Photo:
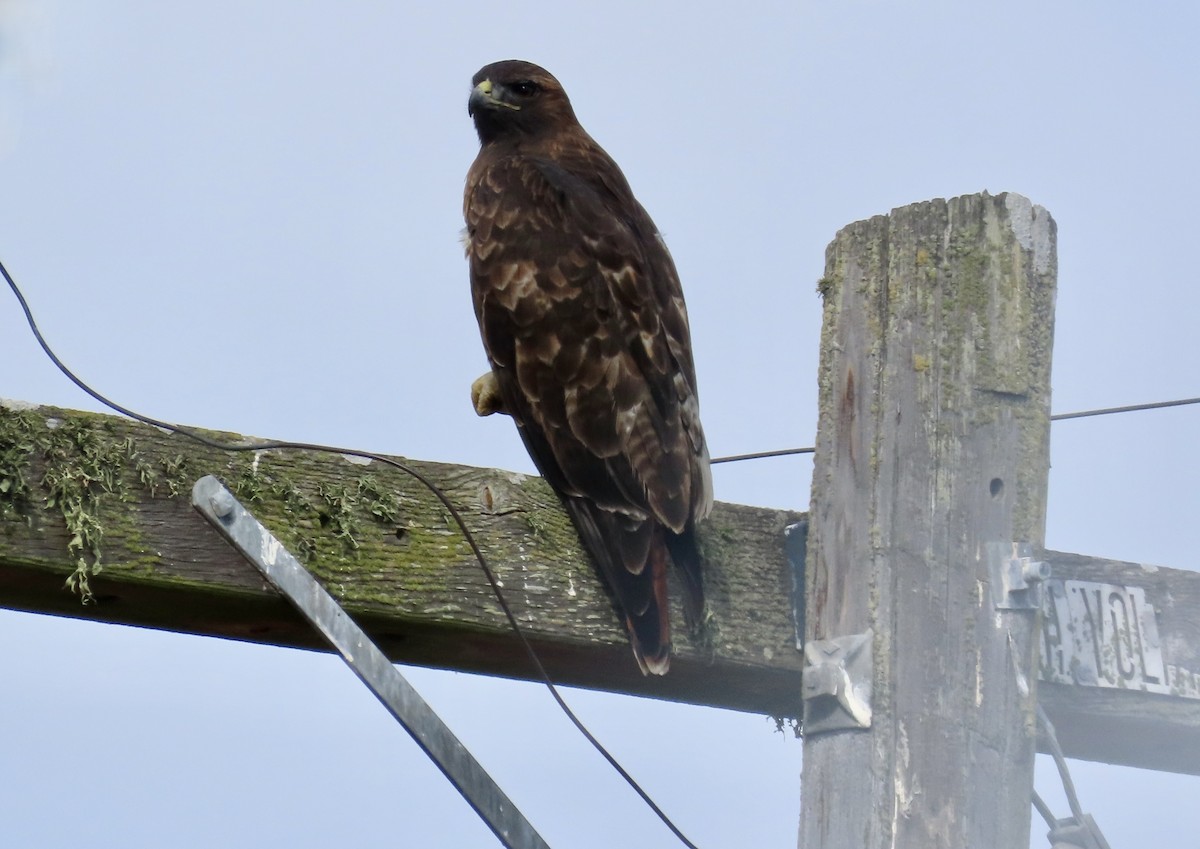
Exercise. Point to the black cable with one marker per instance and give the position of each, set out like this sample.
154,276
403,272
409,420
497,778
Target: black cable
761,455
1058,417
1132,408
354,452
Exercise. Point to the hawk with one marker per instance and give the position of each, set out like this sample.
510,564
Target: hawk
583,321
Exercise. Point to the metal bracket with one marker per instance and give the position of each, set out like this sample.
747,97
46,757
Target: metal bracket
795,545
254,542
1072,833
1016,577
837,683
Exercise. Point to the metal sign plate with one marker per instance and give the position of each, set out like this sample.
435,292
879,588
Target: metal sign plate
1106,635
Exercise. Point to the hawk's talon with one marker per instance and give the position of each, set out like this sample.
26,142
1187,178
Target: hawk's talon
485,395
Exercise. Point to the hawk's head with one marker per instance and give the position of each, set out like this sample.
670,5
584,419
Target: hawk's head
513,99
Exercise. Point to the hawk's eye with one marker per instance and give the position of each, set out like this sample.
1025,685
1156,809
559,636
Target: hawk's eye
524,88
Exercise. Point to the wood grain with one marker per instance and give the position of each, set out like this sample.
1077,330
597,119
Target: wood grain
932,444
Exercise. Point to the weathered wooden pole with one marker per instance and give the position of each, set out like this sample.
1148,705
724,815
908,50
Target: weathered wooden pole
932,457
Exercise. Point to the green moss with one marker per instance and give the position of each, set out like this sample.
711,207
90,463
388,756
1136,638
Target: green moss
176,474
337,514
80,468
18,440
383,505
246,484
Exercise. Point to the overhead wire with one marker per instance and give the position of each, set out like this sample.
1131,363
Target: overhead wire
1131,408
1057,417
761,455
489,574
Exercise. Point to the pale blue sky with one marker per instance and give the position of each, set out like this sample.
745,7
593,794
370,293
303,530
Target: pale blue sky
245,215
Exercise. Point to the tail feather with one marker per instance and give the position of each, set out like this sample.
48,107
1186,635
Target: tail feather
632,557
685,554
650,631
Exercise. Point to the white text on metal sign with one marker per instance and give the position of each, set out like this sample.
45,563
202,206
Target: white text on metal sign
1106,635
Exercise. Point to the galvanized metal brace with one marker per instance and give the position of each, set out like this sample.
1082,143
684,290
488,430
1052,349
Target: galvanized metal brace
836,683
795,541
1072,833
1016,577
293,581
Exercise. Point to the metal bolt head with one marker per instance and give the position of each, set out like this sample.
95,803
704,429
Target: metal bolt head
1035,570
222,503
823,679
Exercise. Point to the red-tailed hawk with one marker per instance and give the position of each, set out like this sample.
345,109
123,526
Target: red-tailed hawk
583,320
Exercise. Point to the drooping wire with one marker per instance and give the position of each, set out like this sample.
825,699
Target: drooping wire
267,445
1057,417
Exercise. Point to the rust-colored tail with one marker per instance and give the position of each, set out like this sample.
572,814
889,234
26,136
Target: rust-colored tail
632,558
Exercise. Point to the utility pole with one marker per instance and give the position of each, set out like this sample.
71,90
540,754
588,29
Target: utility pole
931,465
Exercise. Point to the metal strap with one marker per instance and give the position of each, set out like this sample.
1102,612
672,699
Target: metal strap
293,581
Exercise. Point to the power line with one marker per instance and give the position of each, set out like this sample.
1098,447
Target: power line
761,455
1132,408
1057,417
433,488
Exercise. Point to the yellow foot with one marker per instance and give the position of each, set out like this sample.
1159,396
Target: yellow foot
485,395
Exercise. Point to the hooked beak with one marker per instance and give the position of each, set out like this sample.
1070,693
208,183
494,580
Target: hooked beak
488,96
